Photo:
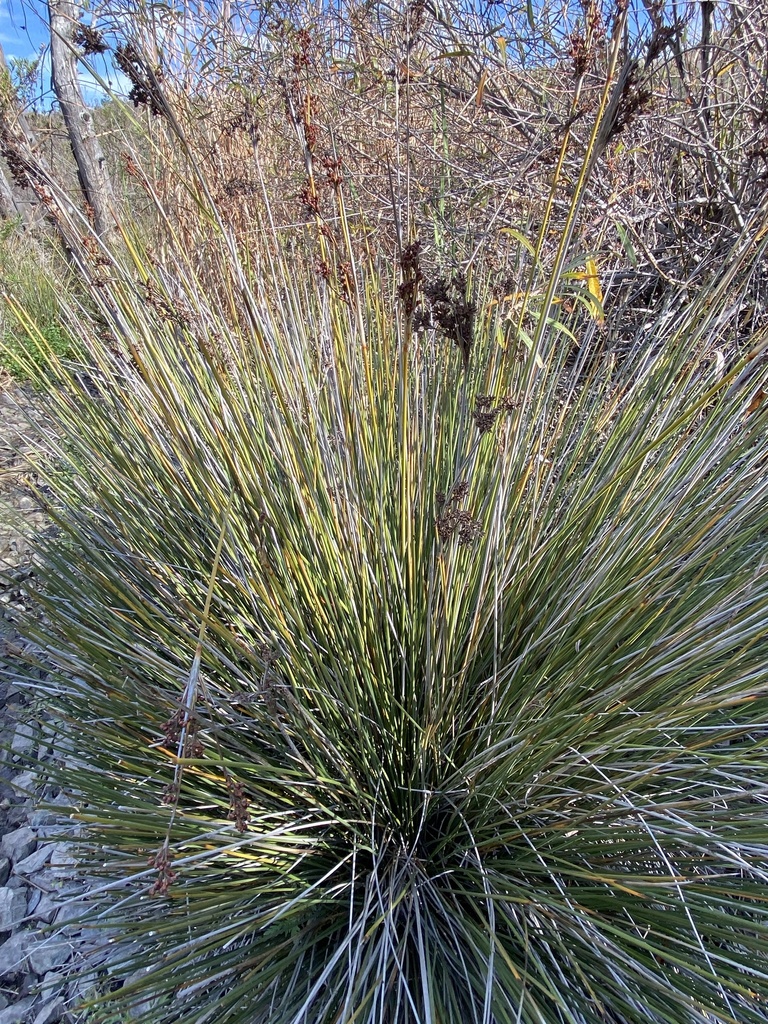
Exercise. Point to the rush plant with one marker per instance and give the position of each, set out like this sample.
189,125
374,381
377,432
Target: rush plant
415,661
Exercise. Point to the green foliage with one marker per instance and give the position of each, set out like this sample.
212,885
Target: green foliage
405,692
31,275
25,73
18,349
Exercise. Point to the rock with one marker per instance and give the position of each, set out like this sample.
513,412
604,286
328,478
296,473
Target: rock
34,862
33,898
51,983
115,955
52,990
46,880
19,1012
46,833
68,912
82,987
25,783
63,860
23,740
46,908
13,955
29,985
16,816
50,1013
5,870
140,1006
62,800
13,907
52,952
18,844
15,689
38,818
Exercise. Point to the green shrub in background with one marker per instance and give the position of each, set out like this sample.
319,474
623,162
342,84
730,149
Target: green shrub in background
414,658
16,349
32,273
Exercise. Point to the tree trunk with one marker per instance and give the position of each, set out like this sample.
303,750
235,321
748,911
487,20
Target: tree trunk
78,119
8,207
707,11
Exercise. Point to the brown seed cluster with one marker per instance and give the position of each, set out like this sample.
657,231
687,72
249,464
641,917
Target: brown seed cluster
170,794
333,170
486,413
584,43
180,723
19,164
452,312
238,805
89,39
636,96
166,876
451,519
145,80
309,198
410,266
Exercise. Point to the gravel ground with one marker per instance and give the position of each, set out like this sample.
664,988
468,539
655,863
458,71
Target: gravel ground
39,971
20,517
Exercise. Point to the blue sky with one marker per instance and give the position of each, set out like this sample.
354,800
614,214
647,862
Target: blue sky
21,30
24,34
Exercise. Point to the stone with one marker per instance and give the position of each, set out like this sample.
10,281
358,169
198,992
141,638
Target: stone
115,955
34,862
33,898
46,880
18,844
63,801
51,984
46,833
19,1012
63,860
13,955
38,818
25,783
68,912
23,740
45,910
17,816
82,987
5,870
140,1007
13,908
15,689
50,1013
29,985
68,890
52,952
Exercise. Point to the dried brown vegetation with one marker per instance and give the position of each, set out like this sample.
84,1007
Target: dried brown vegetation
468,133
